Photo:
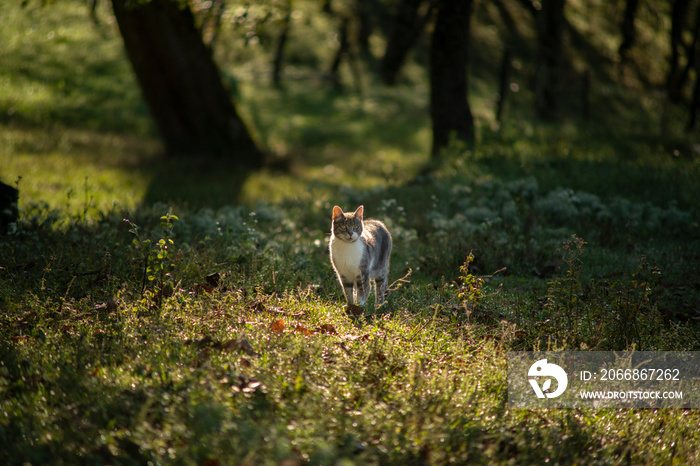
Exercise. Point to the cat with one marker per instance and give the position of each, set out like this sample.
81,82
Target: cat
360,255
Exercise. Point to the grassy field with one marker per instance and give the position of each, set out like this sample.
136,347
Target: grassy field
218,335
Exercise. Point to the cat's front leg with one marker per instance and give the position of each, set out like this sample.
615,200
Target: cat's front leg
362,290
348,290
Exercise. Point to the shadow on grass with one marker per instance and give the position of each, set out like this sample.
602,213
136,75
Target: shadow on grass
193,183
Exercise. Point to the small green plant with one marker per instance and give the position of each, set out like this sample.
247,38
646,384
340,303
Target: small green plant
470,292
156,256
565,301
567,290
636,320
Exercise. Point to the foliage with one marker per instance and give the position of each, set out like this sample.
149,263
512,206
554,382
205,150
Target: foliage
471,286
156,257
608,315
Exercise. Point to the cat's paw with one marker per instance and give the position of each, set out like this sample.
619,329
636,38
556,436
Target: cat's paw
354,310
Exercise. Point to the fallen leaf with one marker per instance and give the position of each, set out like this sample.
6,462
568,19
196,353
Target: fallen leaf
303,330
277,326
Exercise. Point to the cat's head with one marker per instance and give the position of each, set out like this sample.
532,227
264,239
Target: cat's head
347,227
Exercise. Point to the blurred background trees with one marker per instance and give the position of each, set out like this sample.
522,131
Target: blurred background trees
555,56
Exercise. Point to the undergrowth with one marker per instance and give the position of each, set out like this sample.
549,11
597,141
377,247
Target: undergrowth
221,336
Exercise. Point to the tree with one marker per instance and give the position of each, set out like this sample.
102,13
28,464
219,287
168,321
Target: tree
407,26
449,57
181,83
281,42
365,11
679,12
678,76
629,33
549,22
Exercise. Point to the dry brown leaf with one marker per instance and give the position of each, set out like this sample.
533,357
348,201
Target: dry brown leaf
303,330
277,326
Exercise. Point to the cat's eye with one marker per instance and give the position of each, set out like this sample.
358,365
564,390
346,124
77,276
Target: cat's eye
356,228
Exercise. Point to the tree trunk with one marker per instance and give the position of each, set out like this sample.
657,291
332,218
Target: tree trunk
693,62
503,86
550,33
181,84
449,57
343,47
694,105
679,13
364,13
629,33
691,52
407,27
281,42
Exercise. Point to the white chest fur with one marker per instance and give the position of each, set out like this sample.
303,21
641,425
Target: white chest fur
346,257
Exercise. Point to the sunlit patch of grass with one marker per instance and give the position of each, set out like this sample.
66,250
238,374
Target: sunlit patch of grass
80,171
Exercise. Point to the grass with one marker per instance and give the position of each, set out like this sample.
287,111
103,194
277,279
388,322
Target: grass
238,351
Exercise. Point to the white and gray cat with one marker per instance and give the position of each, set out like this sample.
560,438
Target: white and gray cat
360,252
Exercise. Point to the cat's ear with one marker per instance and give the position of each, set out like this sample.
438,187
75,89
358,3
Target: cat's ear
359,211
337,212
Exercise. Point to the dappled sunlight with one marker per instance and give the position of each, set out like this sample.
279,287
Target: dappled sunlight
58,69
81,172
316,126
159,309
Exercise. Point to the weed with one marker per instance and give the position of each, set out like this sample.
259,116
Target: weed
618,315
565,293
157,257
470,291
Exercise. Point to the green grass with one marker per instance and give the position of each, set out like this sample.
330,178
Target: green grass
266,367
